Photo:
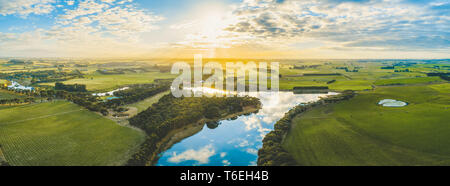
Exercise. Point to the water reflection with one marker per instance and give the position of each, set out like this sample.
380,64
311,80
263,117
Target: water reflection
200,156
235,142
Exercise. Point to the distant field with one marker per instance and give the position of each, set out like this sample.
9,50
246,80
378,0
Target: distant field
146,103
408,81
62,133
360,132
368,74
100,82
339,85
289,84
443,88
351,85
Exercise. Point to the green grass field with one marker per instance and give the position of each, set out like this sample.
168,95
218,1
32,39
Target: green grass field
146,103
369,74
100,82
360,132
351,85
62,133
408,81
341,83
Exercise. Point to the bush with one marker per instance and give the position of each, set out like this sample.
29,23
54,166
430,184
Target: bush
212,112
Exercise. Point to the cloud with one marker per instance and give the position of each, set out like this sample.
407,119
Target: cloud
30,42
326,29
201,156
223,154
106,19
346,23
186,25
252,151
405,44
244,143
25,7
226,163
90,28
70,3
253,123
253,28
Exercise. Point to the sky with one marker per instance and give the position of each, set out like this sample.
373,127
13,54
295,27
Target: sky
271,29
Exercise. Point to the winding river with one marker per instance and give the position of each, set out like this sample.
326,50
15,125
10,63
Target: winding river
234,142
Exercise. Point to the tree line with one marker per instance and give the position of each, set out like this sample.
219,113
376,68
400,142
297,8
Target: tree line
43,76
272,153
442,75
83,99
70,88
171,113
78,94
17,101
137,93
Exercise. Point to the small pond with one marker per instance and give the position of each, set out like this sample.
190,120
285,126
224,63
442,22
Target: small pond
392,103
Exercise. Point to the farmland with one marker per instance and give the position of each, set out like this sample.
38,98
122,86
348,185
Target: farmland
354,75
101,82
42,129
62,133
338,75
360,132
408,81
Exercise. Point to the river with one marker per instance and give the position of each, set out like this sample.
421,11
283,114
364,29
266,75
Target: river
234,142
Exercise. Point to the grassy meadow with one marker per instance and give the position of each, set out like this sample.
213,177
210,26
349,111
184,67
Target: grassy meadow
361,132
146,103
409,81
62,133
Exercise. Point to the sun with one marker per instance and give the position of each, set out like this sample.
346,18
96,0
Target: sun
212,18
212,24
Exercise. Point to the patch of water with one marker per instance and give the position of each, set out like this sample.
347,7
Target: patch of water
392,103
110,93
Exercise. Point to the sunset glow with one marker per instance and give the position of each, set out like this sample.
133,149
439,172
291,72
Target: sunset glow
224,29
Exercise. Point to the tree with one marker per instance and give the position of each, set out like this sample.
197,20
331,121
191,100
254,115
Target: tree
212,112
212,125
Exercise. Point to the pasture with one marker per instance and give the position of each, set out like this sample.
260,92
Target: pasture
360,132
64,134
408,81
356,75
